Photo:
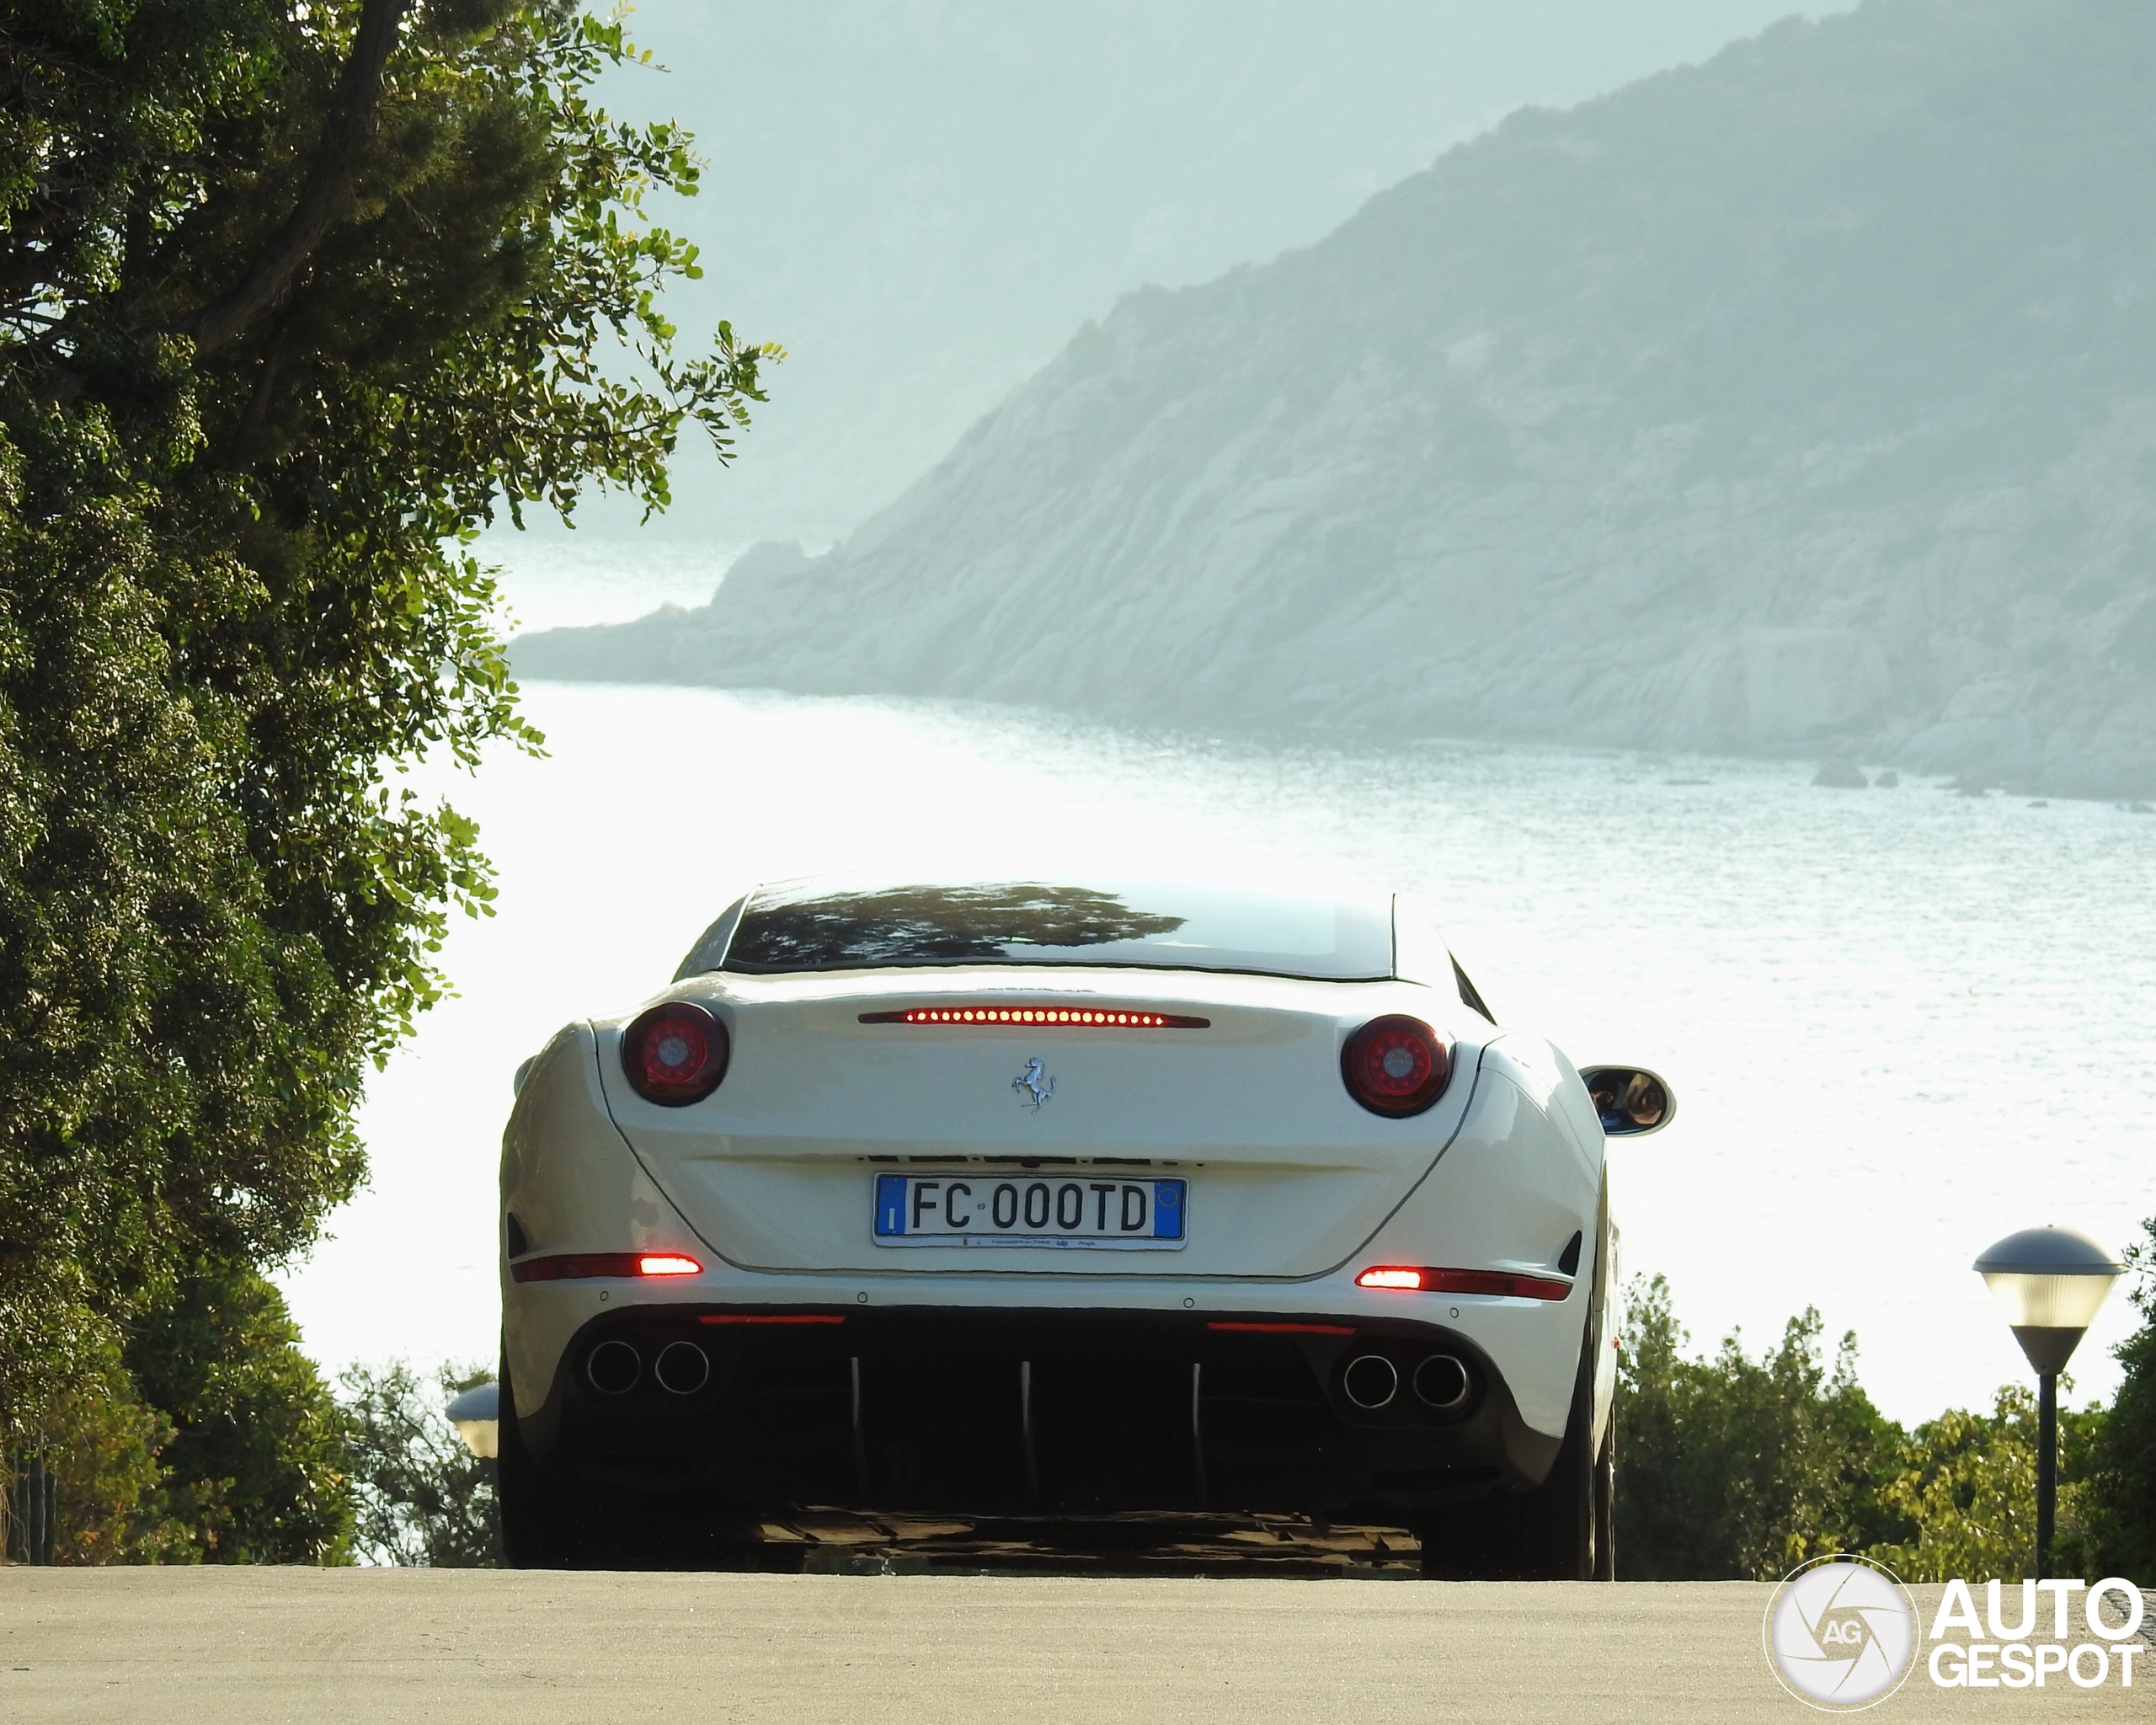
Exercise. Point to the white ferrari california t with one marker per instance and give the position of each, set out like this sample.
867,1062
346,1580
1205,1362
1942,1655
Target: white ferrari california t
1064,1200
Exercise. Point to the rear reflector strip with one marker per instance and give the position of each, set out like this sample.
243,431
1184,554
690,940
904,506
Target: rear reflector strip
1422,1279
1243,1329
582,1266
1080,1017
771,1317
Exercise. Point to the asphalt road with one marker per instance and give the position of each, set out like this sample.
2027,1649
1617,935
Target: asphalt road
224,1647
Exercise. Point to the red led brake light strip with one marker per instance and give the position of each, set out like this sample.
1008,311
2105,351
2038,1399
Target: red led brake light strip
1077,1017
583,1266
1421,1279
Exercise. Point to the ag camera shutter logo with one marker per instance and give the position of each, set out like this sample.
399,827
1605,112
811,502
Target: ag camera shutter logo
1841,1633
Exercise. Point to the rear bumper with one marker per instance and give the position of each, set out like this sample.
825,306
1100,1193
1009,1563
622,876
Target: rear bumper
1013,1410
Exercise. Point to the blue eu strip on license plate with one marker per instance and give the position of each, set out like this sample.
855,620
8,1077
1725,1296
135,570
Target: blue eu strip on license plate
962,1208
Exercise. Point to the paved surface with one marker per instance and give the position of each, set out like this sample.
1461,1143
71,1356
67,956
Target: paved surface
231,1645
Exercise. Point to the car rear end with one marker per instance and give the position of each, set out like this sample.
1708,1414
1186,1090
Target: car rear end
1047,1240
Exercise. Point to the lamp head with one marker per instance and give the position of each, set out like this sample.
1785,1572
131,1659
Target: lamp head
2050,1283
476,1416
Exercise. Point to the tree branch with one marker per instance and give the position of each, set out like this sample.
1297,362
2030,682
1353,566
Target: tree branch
328,190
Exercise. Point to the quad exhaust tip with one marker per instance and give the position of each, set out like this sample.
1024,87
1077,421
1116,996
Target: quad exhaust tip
1370,1381
613,1368
1441,1381
682,1368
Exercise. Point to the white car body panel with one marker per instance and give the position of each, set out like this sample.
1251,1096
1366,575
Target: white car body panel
1295,1189
1288,1174
577,1184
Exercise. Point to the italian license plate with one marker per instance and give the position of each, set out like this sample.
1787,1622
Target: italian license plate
1078,1212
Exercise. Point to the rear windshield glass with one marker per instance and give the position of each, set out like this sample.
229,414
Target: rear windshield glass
816,925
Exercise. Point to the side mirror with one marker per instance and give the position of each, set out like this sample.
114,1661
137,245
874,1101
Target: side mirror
1631,1100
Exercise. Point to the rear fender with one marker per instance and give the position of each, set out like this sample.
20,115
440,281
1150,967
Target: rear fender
1520,1179
569,1179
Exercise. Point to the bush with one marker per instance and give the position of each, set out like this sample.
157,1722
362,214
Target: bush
256,1466
2116,1493
1736,1467
99,1445
424,1497
1731,1467
1967,1486
201,1434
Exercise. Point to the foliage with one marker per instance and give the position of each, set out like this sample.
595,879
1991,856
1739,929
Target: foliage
1737,1467
1966,1483
257,1468
2115,1497
1730,1467
100,1444
292,298
425,1499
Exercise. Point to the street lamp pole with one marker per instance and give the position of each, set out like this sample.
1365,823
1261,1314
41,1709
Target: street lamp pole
2050,1282
2047,1468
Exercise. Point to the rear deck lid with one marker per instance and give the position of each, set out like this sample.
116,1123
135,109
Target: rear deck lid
992,1075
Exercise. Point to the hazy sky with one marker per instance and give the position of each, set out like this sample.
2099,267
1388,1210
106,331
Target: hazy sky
923,199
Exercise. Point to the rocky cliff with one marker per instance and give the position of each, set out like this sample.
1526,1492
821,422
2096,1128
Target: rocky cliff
1802,401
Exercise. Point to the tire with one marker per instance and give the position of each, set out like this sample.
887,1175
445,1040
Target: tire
1605,1505
1550,1533
531,1520
1552,1528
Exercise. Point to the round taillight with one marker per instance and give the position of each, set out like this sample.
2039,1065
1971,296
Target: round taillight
675,1054
1395,1066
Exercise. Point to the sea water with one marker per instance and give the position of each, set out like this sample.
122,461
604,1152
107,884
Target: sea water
1900,1022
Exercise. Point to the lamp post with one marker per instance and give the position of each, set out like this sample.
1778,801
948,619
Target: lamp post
2049,1282
476,1416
